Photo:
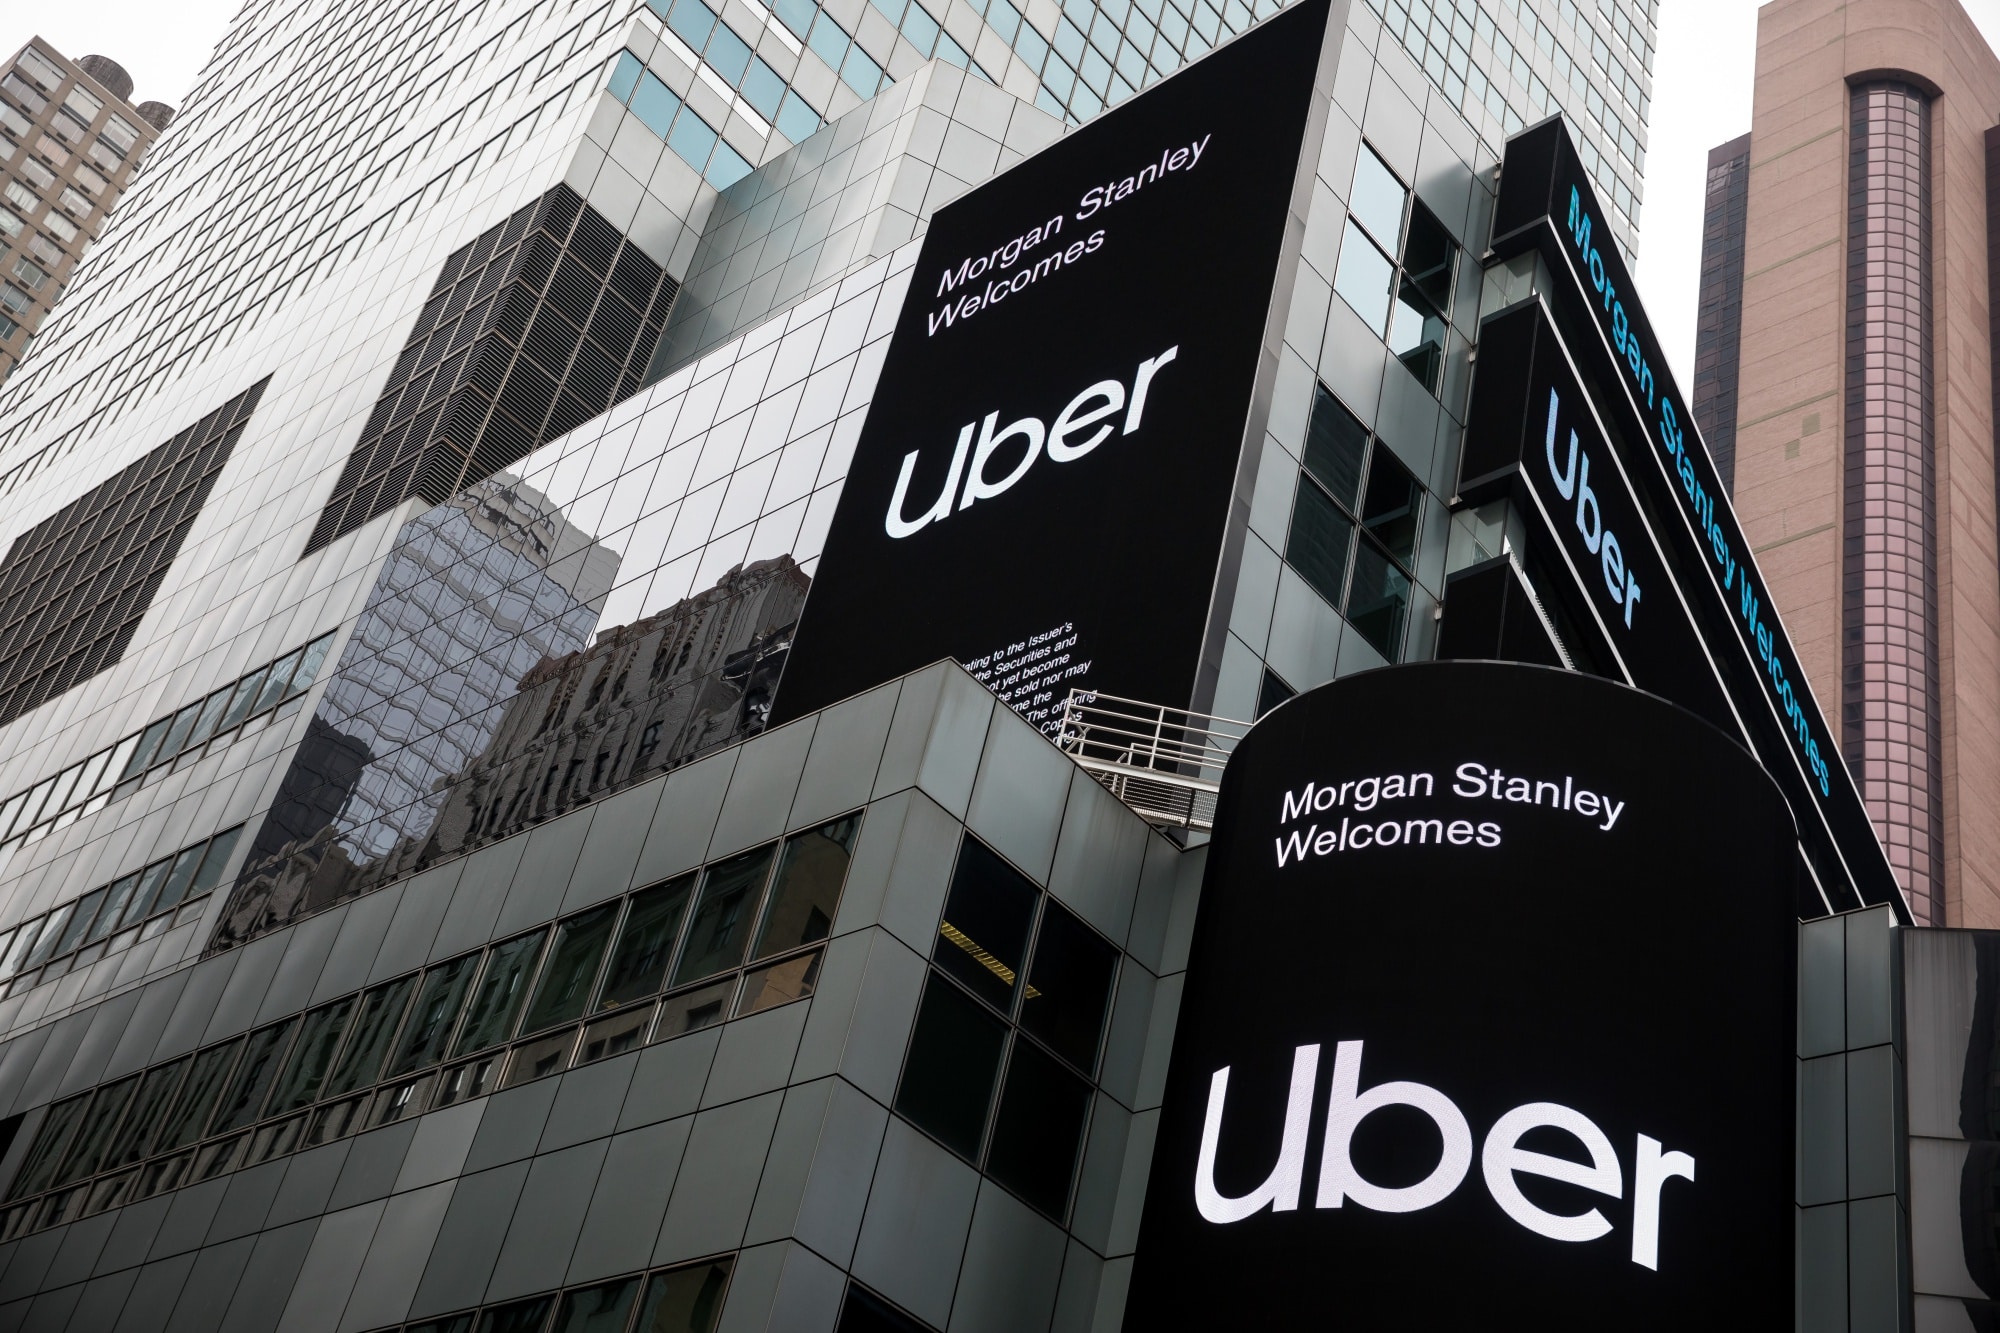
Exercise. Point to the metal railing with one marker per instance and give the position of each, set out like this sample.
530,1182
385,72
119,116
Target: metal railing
1164,763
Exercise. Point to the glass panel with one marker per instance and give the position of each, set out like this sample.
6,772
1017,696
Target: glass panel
93,769
720,928
692,21
309,665
150,880
213,860
20,945
655,104
156,1093
401,1101
1336,447
178,879
274,1140
374,1028
45,947
1429,257
1416,336
806,891
121,758
728,54
1363,278
262,1059
149,747
474,1078
118,898
274,684
79,921
541,1057
949,1072
686,1300
211,713
166,1174
37,796
10,811
692,1010
984,934
1380,602
563,992
320,1037
615,1035
1038,1129
1390,510
51,1144
520,1317
645,942
1318,542
1377,199
1069,986
429,1029
458,1323
780,983
245,694
336,1121
625,75
498,999
204,1084
597,1309
216,1158
177,731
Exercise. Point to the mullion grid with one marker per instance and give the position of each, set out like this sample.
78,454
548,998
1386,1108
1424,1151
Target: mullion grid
213,1152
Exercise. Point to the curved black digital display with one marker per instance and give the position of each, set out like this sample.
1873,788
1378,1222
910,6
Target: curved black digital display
1488,1020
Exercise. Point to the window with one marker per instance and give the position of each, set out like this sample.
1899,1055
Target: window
74,204
40,67
18,88
37,175
1351,482
61,226
10,223
727,55
517,1010
1396,267
1004,1049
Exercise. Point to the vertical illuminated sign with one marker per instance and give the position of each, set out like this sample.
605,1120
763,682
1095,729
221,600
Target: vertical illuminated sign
1043,483
1488,1021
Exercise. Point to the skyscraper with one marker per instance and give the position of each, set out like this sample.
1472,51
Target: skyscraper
1862,413
70,140
412,519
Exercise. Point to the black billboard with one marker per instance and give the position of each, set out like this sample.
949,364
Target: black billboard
1488,1021
1546,203
1043,482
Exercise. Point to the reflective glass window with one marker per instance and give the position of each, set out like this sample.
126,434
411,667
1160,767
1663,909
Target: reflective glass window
1379,604
685,1300
1377,199
117,898
241,698
263,1056
45,947
502,983
987,914
439,1000
1336,447
311,1056
274,684
150,881
563,991
1364,277
1069,986
645,943
93,1135
720,928
782,982
806,890
178,729
1319,539
1390,510
150,741
655,104
179,878
597,1309
310,662
728,54
214,858
1038,1129
79,922
949,1071
520,1317
692,1010
1430,257
625,77
210,715
198,1095
133,1139
368,1043
51,1145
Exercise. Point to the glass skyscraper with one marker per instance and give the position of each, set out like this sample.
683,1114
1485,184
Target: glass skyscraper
407,918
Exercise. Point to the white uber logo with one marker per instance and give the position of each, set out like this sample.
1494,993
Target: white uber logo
1502,1160
1078,428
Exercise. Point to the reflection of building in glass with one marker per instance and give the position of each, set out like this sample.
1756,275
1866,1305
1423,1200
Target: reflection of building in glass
475,592
644,697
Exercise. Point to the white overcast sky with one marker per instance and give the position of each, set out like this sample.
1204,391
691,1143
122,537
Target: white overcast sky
1701,97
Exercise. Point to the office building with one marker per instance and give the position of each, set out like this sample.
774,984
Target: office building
70,141
423,905
1859,410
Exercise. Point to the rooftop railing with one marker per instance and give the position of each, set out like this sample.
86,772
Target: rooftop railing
1164,763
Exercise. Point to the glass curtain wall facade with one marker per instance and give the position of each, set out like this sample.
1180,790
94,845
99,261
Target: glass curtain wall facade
416,924
1890,696
1719,319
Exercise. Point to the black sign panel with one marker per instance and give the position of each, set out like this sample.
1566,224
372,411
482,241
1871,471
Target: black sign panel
1546,202
1042,485
1488,1021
